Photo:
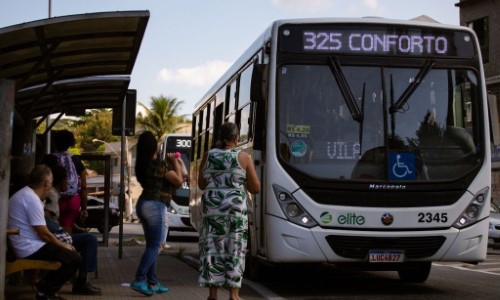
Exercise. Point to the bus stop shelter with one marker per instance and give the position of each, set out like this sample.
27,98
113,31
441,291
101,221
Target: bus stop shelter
59,66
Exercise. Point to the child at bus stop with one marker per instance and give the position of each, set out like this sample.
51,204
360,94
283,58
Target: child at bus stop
164,246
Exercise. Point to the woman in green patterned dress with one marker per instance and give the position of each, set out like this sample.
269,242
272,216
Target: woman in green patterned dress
225,175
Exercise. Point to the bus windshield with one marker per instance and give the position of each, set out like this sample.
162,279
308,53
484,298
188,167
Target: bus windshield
378,123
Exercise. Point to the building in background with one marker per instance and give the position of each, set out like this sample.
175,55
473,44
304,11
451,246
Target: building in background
114,150
483,16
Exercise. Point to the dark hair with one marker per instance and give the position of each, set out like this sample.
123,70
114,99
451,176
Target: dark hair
63,139
59,174
227,133
38,175
146,148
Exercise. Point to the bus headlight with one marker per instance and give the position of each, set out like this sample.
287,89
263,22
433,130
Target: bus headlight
292,209
472,211
172,210
471,214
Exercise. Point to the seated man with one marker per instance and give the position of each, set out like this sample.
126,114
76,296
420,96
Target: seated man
35,241
84,242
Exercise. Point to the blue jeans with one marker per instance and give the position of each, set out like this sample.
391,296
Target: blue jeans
86,244
152,216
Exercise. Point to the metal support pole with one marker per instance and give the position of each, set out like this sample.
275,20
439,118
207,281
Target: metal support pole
6,127
122,181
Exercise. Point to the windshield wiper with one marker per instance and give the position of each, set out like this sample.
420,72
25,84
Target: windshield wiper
356,113
361,123
412,87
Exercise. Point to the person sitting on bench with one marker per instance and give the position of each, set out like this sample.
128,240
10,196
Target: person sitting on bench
35,241
85,243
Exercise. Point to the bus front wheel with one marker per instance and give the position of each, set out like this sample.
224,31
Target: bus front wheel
416,273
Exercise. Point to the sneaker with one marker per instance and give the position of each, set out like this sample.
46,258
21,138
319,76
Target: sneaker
158,289
141,287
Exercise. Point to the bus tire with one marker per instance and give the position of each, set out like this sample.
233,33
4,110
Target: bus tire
416,273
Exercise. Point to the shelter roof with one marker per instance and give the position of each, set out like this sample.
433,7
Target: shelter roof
73,96
44,56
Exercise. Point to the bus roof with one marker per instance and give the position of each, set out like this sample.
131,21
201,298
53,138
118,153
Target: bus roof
257,44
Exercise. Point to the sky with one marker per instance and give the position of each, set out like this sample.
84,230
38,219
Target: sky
189,44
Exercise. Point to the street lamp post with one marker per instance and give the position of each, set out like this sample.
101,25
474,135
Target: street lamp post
105,143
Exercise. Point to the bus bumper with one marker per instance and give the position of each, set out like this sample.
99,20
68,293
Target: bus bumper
178,217
287,242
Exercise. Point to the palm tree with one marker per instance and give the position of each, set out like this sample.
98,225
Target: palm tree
162,117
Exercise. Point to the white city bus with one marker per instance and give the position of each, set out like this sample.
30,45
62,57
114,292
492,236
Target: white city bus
178,209
371,140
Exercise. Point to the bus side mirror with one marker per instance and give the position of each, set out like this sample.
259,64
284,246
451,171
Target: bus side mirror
258,90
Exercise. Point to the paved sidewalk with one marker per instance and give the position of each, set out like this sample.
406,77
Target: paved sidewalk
115,274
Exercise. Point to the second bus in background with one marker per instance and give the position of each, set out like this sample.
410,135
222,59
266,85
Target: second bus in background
178,209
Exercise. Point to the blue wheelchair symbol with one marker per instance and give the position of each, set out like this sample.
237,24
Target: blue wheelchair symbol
402,166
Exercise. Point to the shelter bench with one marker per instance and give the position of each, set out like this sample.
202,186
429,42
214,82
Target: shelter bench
21,264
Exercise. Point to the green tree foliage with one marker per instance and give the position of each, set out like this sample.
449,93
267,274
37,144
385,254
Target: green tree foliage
68,124
162,118
96,124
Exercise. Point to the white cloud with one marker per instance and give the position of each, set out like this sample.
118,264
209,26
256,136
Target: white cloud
307,6
373,5
202,75
369,7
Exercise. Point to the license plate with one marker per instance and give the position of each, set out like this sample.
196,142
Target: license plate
386,256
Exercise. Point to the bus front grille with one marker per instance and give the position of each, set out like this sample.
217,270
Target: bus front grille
358,247
383,199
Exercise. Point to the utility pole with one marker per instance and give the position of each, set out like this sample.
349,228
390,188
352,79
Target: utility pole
47,121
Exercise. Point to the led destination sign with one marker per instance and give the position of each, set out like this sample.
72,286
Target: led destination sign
178,142
372,42
376,40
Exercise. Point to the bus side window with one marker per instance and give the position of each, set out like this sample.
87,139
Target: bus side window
245,123
194,134
199,147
